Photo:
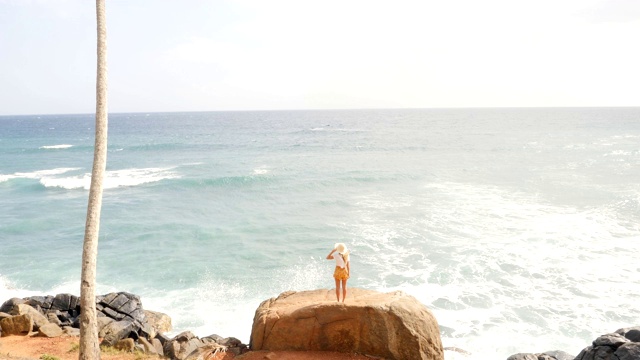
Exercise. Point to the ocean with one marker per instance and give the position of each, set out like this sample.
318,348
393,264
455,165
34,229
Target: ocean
519,228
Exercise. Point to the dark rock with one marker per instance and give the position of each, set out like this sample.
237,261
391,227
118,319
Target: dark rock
36,302
113,314
523,356
116,331
596,353
613,340
162,338
230,342
213,338
182,345
108,298
183,336
118,301
63,302
623,331
628,351
9,304
633,335
559,355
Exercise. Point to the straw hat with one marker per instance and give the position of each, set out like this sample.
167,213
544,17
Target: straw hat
341,248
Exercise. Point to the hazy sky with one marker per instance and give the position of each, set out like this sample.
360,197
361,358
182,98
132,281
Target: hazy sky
188,55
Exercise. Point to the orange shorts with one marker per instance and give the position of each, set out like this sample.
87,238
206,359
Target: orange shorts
340,273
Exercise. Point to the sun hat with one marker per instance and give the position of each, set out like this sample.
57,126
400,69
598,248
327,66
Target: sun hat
341,248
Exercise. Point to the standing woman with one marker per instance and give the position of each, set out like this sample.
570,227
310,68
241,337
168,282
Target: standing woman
341,273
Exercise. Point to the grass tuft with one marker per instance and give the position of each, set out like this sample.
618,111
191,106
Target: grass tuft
49,357
74,347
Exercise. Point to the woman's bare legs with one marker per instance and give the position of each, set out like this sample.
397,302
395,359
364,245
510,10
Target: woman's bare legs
337,290
344,289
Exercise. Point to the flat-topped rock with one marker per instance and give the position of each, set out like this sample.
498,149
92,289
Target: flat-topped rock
389,325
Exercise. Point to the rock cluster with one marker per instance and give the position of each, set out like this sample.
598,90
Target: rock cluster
122,323
623,344
391,326
547,355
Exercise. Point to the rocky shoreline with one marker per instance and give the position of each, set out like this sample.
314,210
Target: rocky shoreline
622,344
125,325
122,323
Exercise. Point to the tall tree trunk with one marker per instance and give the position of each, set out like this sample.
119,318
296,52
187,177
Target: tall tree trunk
89,344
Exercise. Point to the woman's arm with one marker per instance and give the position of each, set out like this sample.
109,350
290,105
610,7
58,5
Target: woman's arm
330,256
349,268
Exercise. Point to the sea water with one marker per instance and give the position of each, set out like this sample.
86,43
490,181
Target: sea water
518,228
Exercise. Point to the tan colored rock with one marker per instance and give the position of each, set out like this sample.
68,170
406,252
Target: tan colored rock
50,330
16,325
392,325
24,309
160,322
158,345
148,347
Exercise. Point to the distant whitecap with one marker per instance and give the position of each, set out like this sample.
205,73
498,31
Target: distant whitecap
49,147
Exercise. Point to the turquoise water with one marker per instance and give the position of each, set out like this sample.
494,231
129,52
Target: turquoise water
518,228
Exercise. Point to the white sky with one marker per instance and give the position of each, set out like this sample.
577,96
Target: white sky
190,55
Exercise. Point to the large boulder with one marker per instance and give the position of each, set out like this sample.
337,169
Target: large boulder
9,304
182,345
39,320
623,344
50,330
159,322
16,325
389,325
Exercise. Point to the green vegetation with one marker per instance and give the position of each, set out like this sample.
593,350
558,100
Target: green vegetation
74,347
49,357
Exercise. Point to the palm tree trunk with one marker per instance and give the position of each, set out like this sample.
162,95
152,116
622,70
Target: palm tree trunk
89,344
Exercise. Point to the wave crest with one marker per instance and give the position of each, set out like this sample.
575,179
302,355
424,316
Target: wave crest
112,179
49,147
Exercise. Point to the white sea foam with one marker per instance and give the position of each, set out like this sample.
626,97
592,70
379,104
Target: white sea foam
8,290
113,179
36,174
212,307
63,146
545,270
260,171
618,153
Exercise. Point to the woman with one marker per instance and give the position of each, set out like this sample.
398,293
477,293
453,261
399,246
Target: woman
341,273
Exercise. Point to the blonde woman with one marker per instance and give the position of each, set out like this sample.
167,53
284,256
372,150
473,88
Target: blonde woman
341,255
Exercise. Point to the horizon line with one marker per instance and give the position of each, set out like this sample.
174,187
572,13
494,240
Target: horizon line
330,109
